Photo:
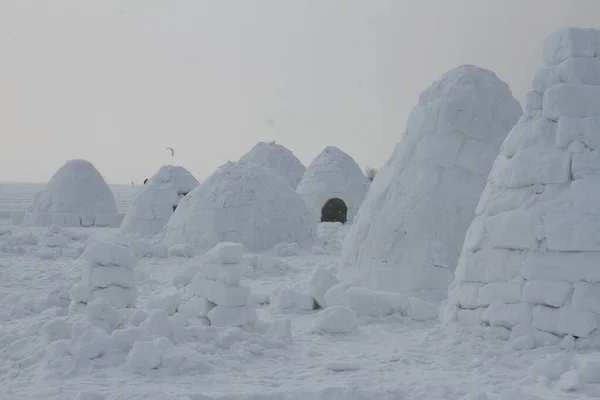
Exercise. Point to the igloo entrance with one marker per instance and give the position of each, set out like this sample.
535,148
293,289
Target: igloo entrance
334,210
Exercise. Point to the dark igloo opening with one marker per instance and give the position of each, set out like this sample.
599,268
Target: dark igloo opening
334,210
181,196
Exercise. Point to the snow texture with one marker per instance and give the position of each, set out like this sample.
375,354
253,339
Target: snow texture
244,204
409,230
156,200
76,195
109,275
278,159
333,174
530,257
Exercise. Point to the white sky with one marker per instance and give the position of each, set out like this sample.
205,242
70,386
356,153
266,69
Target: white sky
115,81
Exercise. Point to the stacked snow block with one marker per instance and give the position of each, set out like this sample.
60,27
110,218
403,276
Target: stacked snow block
218,283
109,275
530,261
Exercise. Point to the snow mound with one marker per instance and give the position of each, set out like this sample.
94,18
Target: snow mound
278,159
76,195
110,275
333,175
409,230
530,258
337,319
244,204
157,200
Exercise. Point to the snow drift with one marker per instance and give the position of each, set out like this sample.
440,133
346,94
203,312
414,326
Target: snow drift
244,204
530,259
333,174
407,235
157,200
278,159
76,195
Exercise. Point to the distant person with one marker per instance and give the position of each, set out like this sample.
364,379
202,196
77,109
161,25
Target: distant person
145,180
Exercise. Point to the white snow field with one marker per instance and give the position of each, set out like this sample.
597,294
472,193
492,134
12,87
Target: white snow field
278,159
530,264
409,230
76,195
333,174
245,204
157,200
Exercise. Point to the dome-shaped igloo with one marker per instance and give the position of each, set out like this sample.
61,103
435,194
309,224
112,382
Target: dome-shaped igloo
409,230
333,186
76,195
157,200
531,258
241,203
278,159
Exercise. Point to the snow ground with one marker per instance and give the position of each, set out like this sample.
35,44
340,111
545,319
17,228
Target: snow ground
384,358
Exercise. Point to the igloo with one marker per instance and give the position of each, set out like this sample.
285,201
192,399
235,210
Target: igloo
530,261
241,203
278,159
157,200
333,186
409,230
76,195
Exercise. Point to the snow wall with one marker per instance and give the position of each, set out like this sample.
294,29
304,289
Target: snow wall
409,230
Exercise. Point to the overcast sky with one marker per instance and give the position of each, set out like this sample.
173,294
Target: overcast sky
115,82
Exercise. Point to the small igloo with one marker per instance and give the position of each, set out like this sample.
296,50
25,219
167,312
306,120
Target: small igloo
409,230
530,261
333,186
76,195
241,203
157,200
278,159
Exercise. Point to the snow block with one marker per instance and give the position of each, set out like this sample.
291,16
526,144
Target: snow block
372,302
336,320
580,71
320,282
568,231
570,267
570,42
548,292
564,321
570,129
466,294
110,254
225,253
571,100
586,297
229,274
585,165
513,230
112,275
220,293
508,315
116,296
500,292
539,165
196,307
489,265
232,316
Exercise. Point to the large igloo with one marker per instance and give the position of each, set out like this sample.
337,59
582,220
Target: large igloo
531,258
333,186
76,195
409,230
278,159
241,203
157,200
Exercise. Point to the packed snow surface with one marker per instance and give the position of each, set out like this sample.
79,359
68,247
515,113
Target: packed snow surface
333,174
76,195
241,203
530,258
278,159
409,230
156,201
